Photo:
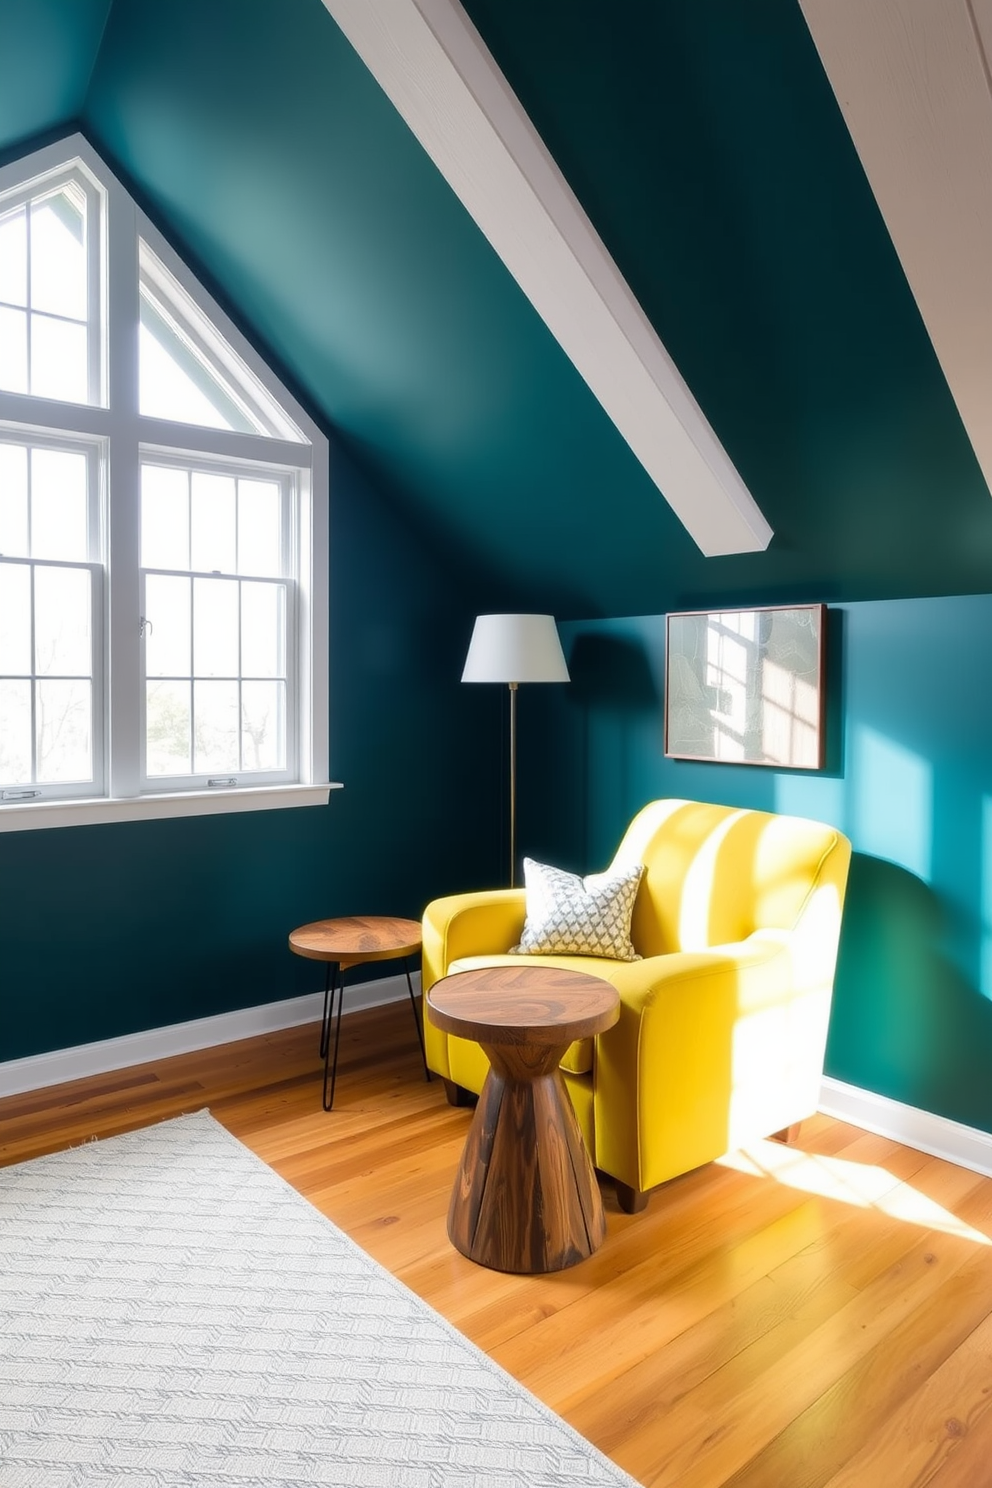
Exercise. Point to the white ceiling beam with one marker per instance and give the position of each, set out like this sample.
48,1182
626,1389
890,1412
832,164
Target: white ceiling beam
912,81
434,67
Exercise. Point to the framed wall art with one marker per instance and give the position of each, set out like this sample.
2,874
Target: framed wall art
746,687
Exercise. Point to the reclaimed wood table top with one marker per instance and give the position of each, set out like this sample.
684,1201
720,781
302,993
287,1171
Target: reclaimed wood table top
543,1005
355,938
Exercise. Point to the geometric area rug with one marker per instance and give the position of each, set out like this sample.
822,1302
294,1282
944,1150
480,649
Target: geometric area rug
174,1315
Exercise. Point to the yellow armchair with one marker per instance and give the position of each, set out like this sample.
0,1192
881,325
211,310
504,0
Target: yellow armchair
723,1024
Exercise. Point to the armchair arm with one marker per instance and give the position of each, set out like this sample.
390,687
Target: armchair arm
712,1048
480,924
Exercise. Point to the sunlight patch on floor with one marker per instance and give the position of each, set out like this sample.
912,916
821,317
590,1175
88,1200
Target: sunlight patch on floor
860,1184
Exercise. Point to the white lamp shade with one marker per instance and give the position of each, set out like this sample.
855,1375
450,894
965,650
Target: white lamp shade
515,648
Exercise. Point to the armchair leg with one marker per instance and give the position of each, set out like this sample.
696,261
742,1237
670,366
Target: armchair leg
631,1200
788,1134
457,1094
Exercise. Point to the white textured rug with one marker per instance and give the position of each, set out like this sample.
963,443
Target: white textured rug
172,1313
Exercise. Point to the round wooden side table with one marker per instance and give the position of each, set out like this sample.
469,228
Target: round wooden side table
526,1197
349,941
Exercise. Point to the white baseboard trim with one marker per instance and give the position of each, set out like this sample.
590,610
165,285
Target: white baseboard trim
39,1070
967,1146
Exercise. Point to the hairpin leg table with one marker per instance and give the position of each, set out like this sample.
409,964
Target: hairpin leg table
348,941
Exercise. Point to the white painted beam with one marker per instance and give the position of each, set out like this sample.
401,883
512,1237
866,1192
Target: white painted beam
434,67
912,81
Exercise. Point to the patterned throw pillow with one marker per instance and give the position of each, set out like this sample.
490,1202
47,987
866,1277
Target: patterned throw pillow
572,916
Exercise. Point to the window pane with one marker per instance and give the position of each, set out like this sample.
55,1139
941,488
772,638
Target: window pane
58,505
15,733
13,350
215,628
58,359
175,383
62,609
213,523
64,725
15,619
168,729
14,500
14,258
216,706
58,255
167,644
263,725
263,630
164,389
164,517
259,536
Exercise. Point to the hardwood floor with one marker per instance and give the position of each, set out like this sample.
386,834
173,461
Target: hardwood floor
815,1316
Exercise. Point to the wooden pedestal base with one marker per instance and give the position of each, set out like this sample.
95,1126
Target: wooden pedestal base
526,1197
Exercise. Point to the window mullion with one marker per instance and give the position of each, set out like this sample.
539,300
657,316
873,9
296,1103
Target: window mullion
192,666
97,336
123,621
241,683
33,662
28,317
124,485
99,681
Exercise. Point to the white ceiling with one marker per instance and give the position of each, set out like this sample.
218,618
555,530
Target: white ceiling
912,81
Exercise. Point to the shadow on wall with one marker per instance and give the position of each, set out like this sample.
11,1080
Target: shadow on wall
612,672
583,733
905,1021
618,696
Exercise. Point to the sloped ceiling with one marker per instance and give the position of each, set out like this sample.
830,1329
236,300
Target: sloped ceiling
704,142
914,84
47,52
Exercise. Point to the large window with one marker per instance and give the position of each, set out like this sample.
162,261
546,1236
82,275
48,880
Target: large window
162,527
219,605
50,605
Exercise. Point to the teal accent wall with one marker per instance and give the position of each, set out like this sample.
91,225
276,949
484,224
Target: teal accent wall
707,147
112,929
705,143
908,779
47,52
272,160
709,151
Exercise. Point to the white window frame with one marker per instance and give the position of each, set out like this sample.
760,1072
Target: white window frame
288,480
95,457
20,190
115,422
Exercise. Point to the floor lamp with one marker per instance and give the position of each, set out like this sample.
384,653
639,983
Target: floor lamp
514,649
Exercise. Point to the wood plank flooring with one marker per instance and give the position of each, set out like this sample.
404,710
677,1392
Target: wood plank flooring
814,1316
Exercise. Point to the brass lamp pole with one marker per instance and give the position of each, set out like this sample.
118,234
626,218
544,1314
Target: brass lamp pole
514,688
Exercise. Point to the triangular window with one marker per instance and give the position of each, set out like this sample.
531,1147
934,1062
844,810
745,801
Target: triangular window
50,287
188,373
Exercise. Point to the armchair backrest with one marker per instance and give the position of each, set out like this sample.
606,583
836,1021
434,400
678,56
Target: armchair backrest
717,874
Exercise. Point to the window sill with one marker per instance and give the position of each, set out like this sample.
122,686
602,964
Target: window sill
18,817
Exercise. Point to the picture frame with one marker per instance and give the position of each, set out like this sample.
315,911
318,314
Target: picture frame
747,686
